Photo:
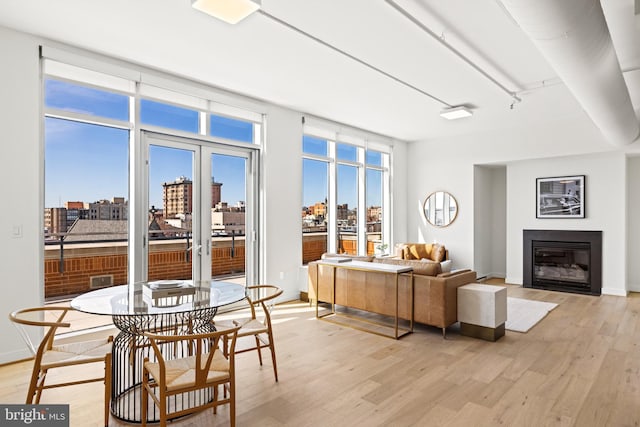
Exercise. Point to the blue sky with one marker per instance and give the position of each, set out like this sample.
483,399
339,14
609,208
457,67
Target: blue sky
86,162
167,164
315,175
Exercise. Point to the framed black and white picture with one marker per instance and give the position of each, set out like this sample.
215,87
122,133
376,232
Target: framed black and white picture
560,197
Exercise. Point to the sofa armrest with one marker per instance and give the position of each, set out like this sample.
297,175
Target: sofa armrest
453,273
436,298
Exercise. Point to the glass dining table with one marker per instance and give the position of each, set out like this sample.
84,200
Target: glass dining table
166,306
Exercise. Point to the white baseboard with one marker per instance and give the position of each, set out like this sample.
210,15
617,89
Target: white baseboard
485,276
614,291
513,280
13,356
633,287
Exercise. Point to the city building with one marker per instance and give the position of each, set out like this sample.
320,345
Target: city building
374,213
114,209
228,220
81,205
177,196
343,212
60,219
216,192
319,210
225,223
55,220
314,218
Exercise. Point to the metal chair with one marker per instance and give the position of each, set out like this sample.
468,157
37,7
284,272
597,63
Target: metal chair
261,299
205,366
49,355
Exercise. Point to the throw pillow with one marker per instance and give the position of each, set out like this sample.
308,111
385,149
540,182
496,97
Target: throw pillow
446,266
438,253
420,250
406,253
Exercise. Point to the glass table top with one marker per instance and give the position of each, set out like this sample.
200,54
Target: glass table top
159,297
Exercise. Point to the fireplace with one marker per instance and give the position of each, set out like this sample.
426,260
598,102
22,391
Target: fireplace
562,260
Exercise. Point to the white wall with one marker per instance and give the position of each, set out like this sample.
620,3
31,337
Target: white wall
399,177
448,164
281,195
490,213
498,221
633,224
21,172
431,170
605,209
482,233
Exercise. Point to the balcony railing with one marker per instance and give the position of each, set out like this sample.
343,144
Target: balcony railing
76,266
73,266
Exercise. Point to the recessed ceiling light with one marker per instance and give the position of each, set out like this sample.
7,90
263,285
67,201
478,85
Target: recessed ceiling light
230,11
453,113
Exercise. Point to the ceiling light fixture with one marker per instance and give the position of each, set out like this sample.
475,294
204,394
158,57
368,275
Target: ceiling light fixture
453,113
230,11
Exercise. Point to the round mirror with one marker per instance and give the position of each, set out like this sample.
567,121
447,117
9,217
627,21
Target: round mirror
440,208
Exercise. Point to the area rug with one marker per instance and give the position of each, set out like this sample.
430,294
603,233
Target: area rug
524,314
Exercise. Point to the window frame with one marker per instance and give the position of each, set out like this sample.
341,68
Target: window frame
134,125
333,162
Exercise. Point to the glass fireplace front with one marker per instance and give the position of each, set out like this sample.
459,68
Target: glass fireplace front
561,264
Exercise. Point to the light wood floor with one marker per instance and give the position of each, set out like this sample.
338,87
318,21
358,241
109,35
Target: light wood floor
580,366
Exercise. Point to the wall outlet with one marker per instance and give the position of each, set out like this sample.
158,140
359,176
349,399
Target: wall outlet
281,275
16,231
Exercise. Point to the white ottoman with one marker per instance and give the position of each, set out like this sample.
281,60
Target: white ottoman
482,311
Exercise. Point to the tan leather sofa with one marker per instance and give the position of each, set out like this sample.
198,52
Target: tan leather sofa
435,300
431,251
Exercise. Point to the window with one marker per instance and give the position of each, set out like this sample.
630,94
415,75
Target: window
347,152
315,187
238,130
374,158
311,145
86,185
85,100
315,177
91,122
169,116
374,175
345,191
347,209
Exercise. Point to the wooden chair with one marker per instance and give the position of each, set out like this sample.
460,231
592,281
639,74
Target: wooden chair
205,366
48,355
261,299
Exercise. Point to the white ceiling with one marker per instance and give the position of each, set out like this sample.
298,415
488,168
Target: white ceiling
265,59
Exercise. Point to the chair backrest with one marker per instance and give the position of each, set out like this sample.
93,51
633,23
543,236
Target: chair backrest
263,296
35,316
198,345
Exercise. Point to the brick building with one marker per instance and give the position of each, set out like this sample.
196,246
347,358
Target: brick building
177,196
